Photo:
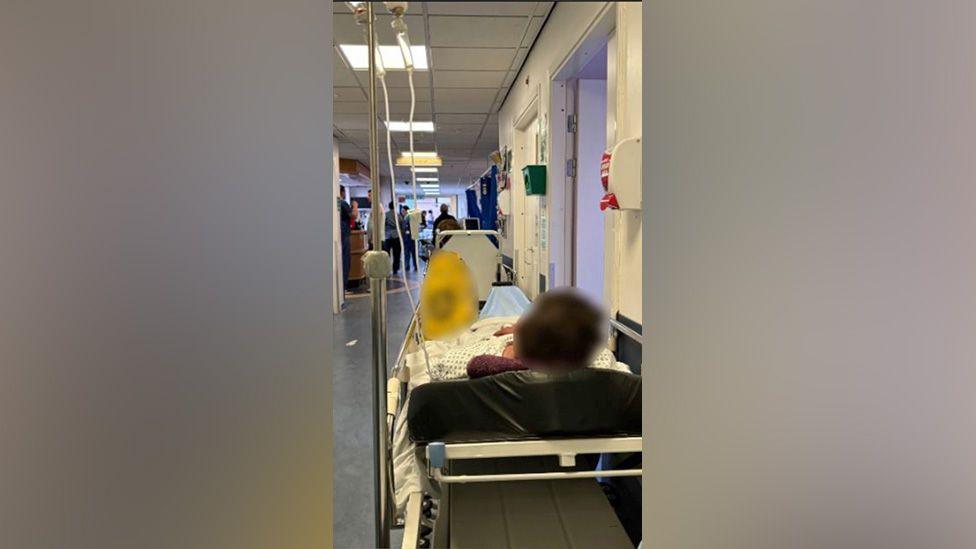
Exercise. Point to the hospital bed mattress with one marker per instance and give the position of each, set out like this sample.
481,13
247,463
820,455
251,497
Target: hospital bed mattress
560,514
526,405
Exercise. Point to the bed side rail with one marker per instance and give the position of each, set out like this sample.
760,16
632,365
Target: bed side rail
439,454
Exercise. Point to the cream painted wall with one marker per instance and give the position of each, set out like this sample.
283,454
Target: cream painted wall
566,27
625,280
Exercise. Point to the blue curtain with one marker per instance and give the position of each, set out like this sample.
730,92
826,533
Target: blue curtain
472,197
488,189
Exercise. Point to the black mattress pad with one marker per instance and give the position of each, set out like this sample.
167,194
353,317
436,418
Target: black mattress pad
527,405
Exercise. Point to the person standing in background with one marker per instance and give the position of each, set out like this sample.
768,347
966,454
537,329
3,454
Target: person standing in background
444,216
392,242
345,231
408,243
369,222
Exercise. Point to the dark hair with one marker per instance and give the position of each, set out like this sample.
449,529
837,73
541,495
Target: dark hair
391,204
562,327
448,224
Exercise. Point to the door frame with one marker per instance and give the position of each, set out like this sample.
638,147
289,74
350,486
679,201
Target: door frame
520,127
563,149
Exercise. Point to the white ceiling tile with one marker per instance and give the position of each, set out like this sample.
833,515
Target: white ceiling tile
400,109
460,141
534,26
542,8
520,58
460,118
472,58
350,107
403,94
455,129
350,121
464,100
342,75
398,79
421,141
348,94
345,30
468,79
448,30
480,8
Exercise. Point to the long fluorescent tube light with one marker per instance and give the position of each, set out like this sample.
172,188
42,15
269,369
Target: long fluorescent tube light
419,169
435,179
358,57
405,126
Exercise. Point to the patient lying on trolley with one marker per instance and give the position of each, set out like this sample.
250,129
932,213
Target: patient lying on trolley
560,333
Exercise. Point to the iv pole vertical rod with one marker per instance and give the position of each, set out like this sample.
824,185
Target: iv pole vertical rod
378,296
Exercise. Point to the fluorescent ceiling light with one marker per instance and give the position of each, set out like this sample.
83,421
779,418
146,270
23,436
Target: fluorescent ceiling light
390,56
419,159
420,169
405,126
435,179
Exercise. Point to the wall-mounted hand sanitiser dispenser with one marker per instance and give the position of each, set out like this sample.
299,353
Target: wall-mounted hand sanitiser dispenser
623,178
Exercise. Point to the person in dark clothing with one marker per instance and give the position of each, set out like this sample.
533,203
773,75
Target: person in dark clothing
391,244
408,242
345,231
444,215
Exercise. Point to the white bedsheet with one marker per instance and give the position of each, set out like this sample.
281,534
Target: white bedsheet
407,465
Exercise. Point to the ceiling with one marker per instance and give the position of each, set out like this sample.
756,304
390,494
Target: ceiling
474,50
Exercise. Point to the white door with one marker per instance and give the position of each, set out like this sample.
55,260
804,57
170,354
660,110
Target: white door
530,251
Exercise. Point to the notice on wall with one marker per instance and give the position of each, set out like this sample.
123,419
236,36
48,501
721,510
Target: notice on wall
543,227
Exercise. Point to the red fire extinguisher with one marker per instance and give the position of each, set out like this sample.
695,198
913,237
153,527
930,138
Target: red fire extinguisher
609,200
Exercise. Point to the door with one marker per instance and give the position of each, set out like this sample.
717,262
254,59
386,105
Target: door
589,236
530,251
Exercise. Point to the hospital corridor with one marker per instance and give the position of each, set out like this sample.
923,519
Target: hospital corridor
487,243
671,274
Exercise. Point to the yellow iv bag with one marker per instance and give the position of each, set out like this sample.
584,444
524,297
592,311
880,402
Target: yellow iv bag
448,297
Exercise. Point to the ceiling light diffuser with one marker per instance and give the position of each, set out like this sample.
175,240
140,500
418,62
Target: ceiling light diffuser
402,126
390,56
419,159
434,179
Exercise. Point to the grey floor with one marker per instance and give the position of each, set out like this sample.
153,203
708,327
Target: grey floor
352,424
